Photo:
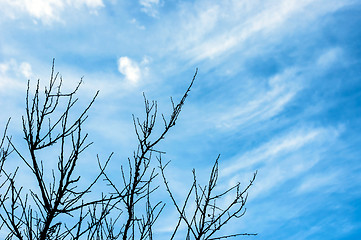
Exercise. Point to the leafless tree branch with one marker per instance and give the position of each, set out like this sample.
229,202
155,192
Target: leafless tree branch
59,206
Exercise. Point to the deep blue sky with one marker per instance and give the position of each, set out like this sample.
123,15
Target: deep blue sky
278,91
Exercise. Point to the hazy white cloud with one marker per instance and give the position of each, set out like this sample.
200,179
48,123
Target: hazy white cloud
150,7
25,69
282,158
130,69
88,3
137,24
45,10
211,29
4,67
269,100
329,57
317,182
39,9
266,103
14,74
291,142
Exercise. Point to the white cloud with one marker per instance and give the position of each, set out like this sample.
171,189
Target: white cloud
281,158
150,7
25,69
38,9
45,10
14,74
130,69
4,67
212,29
330,57
267,103
279,146
317,182
137,24
88,3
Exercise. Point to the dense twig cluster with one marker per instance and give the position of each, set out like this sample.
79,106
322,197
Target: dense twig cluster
59,206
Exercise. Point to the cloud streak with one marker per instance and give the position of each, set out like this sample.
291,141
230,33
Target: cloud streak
150,7
47,11
215,30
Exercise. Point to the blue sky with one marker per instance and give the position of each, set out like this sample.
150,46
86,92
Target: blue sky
278,91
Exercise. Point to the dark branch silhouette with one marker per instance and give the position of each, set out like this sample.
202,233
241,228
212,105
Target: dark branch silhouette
60,206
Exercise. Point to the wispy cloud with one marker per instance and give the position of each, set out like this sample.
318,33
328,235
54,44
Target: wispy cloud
137,24
267,102
270,150
10,74
150,7
217,29
330,57
46,11
319,181
282,158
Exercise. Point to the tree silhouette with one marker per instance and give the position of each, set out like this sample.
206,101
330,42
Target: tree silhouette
59,205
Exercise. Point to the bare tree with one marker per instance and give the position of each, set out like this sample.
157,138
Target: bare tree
59,195
123,210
